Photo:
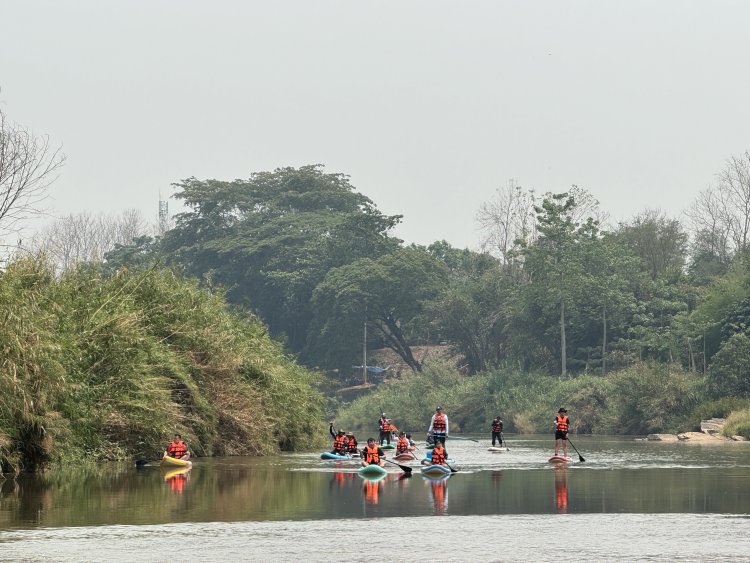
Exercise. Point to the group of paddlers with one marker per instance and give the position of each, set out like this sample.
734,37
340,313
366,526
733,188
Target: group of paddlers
345,443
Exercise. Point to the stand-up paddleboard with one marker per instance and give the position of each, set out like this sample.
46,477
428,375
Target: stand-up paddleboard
435,470
559,459
329,455
406,456
372,471
388,447
496,450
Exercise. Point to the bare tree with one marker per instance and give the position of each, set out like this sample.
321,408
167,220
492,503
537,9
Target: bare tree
734,188
84,237
505,219
710,221
28,164
720,215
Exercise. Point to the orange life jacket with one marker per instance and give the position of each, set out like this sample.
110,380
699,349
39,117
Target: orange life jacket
385,426
372,457
340,443
497,426
351,444
439,455
438,425
402,446
177,450
561,423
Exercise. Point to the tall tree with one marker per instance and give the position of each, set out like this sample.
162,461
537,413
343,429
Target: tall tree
555,263
272,238
388,293
660,242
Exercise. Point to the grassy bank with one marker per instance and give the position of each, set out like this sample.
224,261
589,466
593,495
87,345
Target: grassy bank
98,368
642,399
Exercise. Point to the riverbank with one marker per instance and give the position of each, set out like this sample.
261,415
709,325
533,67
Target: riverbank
711,432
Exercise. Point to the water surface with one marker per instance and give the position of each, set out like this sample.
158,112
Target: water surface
682,500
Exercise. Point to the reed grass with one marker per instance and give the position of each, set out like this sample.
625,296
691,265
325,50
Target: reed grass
105,368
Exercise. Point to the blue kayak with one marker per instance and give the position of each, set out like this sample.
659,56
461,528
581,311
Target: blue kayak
435,470
372,471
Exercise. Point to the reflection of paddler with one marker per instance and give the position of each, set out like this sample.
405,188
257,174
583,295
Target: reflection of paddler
177,478
372,489
340,477
439,490
561,489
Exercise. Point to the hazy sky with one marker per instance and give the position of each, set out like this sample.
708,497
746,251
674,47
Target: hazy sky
429,106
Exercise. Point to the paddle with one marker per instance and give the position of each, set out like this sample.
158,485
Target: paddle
580,457
461,438
404,468
449,467
502,437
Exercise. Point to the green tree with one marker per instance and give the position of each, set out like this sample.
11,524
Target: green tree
556,263
729,373
660,242
272,238
388,293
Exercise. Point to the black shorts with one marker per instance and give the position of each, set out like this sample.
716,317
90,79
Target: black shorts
560,435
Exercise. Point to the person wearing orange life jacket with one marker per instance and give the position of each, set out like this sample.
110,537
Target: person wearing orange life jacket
497,431
439,454
372,454
340,442
384,425
562,424
402,446
438,426
177,448
351,444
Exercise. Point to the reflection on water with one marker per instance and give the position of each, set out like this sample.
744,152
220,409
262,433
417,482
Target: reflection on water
439,493
561,489
176,478
619,476
577,537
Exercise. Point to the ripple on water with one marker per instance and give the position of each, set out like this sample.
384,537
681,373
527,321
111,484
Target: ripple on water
586,537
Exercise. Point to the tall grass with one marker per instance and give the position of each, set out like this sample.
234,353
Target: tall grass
102,368
738,423
639,400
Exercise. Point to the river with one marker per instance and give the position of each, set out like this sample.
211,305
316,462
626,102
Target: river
629,500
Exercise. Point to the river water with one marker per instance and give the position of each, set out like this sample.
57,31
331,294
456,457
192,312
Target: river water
628,500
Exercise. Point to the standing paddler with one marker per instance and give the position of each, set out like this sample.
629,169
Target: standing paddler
438,426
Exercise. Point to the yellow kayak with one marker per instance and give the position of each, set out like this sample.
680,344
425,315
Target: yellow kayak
167,461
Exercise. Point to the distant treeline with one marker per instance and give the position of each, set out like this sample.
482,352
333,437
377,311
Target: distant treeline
557,291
